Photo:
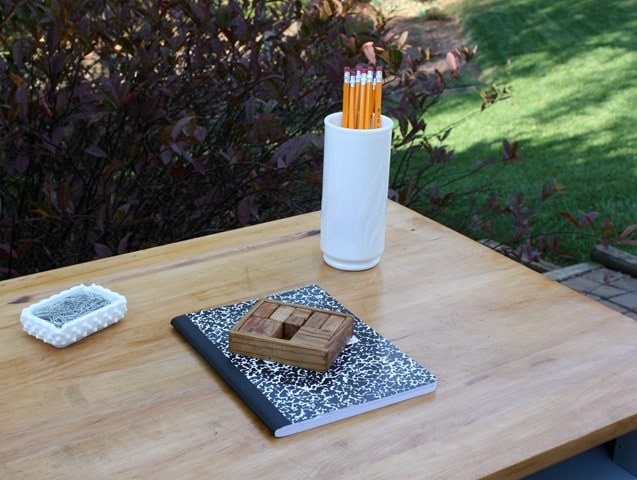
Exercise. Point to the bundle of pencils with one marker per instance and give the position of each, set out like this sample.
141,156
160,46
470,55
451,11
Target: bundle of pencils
362,96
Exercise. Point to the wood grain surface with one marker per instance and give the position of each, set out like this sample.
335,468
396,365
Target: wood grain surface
529,372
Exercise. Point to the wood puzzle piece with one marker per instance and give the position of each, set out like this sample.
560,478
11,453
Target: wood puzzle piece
263,326
294,322
292,334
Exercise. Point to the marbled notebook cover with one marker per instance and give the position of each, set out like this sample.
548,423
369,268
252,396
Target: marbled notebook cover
370,372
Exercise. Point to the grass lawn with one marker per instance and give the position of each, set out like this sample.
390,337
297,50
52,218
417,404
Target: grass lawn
572,68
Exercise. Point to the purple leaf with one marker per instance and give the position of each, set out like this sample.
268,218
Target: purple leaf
179,126
293,148
95,151
247,209
102,251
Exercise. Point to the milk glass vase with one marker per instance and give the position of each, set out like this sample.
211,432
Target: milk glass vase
354,196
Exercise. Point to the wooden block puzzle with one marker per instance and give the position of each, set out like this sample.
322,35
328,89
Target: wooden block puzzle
292,334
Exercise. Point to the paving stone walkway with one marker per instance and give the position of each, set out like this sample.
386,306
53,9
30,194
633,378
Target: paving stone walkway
615,289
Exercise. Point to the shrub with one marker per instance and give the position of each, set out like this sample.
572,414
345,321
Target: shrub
131,124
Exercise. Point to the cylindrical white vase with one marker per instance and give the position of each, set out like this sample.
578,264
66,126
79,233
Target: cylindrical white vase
355,187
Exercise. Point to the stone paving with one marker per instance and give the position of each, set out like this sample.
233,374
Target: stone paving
615,289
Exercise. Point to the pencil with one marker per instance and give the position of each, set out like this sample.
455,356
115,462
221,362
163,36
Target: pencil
378,97
357,100
351,112
369,98
345,117
362,101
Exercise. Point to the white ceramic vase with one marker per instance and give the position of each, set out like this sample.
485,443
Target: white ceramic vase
354,198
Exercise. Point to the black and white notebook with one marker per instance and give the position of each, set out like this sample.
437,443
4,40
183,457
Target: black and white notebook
370,373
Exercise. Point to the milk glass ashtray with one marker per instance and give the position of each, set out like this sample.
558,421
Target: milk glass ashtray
73,314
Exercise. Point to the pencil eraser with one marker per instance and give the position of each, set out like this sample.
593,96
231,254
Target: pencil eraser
71,315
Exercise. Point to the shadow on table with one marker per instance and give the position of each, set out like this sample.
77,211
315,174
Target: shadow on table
615,460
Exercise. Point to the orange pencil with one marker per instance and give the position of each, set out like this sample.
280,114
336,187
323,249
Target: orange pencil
369,98
345,117
351,112
378,97
357,97
373,106
362,102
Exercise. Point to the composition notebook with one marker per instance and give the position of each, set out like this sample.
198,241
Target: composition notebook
370,372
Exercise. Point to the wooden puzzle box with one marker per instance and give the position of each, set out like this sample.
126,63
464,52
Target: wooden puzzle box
292,334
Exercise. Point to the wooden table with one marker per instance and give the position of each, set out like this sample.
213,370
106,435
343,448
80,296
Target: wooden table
529,371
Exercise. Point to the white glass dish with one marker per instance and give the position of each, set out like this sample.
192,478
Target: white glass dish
73,314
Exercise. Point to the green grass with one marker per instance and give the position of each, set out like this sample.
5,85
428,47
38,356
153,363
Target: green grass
572,67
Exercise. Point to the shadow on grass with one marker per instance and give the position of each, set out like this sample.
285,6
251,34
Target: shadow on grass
582,53
560,28
571,66
592,181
